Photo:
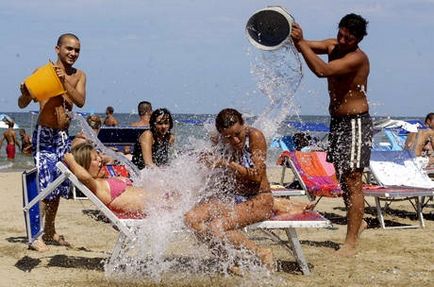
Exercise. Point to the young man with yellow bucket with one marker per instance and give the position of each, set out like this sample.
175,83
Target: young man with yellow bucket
57,87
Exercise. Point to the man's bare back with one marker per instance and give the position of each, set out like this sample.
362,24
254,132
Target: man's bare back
10,136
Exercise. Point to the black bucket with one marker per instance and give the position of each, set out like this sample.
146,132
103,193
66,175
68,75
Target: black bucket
269,28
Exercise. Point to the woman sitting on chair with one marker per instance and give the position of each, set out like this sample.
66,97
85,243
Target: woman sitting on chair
152,147
247,201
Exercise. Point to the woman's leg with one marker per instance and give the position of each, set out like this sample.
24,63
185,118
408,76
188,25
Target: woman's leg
199,216
226,227
285,205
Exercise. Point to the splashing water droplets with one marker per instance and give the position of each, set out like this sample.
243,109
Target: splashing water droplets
278,74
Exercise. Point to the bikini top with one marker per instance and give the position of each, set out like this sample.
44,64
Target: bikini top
246,155
117,186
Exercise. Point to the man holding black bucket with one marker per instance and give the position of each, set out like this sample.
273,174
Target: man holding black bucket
350,137
50,138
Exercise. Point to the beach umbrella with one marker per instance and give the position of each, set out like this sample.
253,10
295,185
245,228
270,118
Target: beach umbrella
4,119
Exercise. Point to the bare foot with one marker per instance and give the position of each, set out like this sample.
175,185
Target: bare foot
346,250
235,270
58,240
266,257
310,206
39,245
363,226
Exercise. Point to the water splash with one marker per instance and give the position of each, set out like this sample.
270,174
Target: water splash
165,248
278,74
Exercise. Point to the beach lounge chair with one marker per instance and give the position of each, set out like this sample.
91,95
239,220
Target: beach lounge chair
316,176
289,223
127,226
401,179
32,197
395,173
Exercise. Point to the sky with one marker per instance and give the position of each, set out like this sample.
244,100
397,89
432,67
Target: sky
191,56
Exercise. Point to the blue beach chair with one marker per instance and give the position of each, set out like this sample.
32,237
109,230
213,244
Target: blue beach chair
32,196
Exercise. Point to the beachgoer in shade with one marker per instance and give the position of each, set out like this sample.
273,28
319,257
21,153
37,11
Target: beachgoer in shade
110,120
144,109
152,147
50,138
26,142
11,140
350,137
249,200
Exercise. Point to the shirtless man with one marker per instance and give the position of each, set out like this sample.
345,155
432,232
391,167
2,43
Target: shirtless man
26,142
145,111
110,120
11,139
422,142
50,137
350,136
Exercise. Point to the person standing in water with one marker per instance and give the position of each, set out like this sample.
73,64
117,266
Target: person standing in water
50,138
144,110
110,120
26,142
11,139
350,137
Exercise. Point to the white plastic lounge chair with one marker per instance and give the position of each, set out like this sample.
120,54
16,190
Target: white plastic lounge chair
32,197
401,178
127,227
311,219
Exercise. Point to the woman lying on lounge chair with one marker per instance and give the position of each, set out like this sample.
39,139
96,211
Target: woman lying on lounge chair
117,193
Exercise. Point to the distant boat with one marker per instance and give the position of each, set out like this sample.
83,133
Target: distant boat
3,119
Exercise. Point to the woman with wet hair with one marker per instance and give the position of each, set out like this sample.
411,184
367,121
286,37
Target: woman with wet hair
248,200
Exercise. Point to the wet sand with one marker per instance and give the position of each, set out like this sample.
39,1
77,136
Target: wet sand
402,257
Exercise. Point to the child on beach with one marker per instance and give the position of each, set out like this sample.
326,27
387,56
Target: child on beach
11,139
26,142
50,138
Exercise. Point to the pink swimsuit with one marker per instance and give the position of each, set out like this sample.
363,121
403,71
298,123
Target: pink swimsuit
117,186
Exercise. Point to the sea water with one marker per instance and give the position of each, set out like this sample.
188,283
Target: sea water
186,126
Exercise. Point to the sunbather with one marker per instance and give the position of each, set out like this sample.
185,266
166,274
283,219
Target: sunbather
117,193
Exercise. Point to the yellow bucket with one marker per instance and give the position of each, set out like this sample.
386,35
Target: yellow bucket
44,83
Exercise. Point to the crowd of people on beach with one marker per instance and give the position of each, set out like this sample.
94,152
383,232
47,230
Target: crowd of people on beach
246,198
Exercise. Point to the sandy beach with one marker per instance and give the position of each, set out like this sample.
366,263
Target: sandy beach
403,257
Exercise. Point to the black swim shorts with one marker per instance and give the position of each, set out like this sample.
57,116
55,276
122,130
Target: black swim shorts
350,141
